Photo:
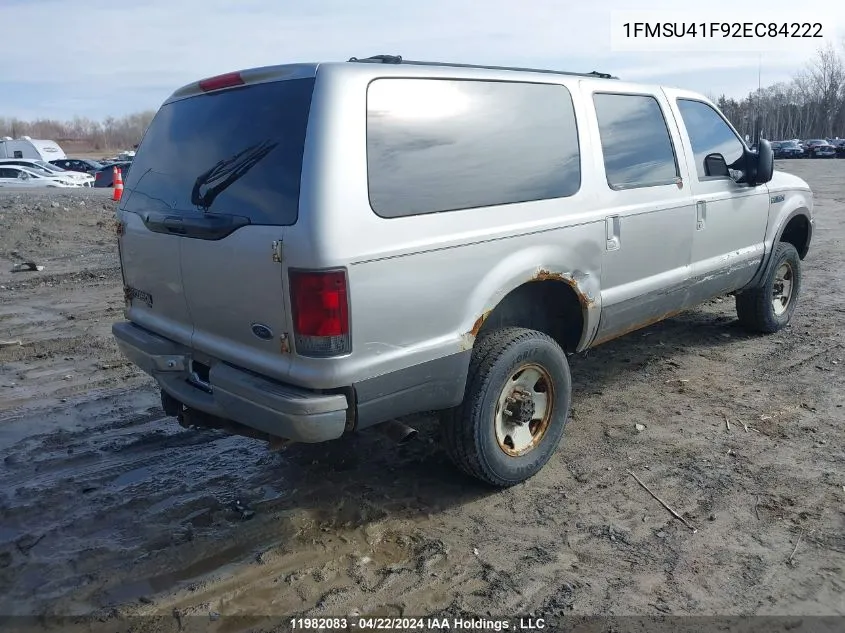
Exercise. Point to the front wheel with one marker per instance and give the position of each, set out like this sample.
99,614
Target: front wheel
769,307
514,410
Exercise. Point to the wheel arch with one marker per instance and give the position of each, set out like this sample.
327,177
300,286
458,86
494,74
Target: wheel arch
800,225
797,230
564,305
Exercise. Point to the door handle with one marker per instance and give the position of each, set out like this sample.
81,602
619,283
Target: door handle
611,233
700,215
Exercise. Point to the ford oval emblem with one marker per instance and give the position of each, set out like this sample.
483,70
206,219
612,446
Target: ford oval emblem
262,331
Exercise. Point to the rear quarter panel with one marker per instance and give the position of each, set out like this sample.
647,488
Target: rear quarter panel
418,284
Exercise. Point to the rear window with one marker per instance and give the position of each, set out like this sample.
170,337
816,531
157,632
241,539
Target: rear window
233,152
443,145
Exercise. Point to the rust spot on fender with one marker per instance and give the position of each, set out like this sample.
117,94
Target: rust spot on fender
468,339
545,275
479,322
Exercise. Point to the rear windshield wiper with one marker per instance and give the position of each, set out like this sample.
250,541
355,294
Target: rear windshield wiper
229,170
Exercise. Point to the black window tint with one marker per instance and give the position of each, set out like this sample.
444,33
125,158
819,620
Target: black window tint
8,173
443,145
236,152
709,134
635,141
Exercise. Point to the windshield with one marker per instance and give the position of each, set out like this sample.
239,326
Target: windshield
45,166
236,152
37,169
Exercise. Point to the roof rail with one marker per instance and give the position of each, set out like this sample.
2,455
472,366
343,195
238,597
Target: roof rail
397,59
379,59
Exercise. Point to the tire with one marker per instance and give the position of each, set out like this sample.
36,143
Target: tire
473,431
756,307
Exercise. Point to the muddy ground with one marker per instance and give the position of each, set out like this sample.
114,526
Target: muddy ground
109,507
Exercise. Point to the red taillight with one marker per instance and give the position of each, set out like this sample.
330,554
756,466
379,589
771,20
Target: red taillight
221,81
320,312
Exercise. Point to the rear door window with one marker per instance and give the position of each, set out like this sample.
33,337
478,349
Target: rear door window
233,152
635,141
442,145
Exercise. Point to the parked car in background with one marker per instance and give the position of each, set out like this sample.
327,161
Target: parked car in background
105,177
39,166
820,148
787,149
83,165
839,146
23,177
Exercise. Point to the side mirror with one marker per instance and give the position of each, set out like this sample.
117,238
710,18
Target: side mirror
715,165
764,160
23,175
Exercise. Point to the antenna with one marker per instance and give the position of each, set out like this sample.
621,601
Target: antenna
758,134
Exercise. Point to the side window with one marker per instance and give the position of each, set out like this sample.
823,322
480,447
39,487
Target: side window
8,173
709,134
635,141
443,145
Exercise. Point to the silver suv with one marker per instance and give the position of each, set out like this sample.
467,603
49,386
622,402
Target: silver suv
313,249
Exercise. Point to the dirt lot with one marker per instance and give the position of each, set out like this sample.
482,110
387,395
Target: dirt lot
108,507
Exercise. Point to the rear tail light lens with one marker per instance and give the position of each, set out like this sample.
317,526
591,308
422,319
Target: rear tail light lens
320,305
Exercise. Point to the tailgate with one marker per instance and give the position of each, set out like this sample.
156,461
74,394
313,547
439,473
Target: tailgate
214,184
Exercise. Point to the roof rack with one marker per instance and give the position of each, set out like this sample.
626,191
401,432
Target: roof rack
397,59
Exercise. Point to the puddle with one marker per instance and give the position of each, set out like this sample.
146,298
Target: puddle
7,534
268,494
130,592
133,476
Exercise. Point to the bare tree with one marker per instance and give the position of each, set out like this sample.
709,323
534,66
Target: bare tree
811,105
110,134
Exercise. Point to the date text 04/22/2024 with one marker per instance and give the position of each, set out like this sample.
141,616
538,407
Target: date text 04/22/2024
759,30
418,624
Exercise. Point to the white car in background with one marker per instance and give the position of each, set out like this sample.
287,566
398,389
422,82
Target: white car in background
19,176
44,168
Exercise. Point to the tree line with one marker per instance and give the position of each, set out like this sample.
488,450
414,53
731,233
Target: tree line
112,133
810,105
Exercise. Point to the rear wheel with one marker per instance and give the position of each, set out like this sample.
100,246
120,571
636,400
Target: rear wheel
769,307
514,410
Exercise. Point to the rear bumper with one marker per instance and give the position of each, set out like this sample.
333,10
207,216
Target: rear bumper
235,394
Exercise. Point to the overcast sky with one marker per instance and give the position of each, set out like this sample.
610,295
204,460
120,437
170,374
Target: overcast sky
111,57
